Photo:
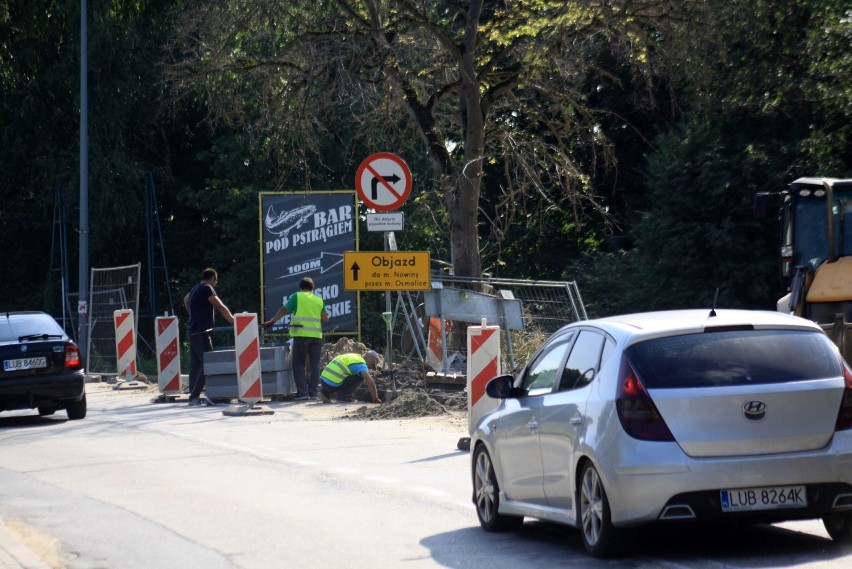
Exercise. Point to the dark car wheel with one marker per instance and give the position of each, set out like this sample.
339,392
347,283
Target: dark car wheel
77,409
839,527
599,536
486,495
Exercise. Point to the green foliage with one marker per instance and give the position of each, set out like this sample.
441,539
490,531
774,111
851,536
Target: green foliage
508,86
37,134
770,103
699,234
281,96
40,133
788,63
829,61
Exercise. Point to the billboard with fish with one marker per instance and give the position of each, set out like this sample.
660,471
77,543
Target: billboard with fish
305,235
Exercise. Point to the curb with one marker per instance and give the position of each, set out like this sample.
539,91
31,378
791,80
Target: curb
15,555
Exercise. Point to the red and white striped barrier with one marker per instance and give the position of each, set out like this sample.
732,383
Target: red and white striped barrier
125,343
483,363
168,355
249,385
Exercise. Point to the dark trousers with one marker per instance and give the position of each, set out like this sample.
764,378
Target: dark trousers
306,351
345,389
199,343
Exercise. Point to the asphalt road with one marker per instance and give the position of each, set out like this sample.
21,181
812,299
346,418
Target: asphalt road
139,485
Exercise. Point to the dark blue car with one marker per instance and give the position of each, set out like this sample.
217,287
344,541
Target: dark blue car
42,366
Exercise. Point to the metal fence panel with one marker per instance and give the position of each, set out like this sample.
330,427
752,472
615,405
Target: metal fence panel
111,289
542,306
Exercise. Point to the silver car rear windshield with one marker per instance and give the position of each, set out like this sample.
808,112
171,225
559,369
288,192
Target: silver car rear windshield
740,357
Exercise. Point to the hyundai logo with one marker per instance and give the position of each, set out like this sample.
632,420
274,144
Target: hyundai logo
754,410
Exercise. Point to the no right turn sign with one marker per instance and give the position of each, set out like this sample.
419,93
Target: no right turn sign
383,181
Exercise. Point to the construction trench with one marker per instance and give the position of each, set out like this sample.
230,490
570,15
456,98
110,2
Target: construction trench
405,390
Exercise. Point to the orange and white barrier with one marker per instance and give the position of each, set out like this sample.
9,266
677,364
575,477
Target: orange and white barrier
125,343
483,363
168,355
249,385
435,343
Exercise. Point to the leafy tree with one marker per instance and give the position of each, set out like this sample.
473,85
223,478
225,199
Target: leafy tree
699,235
769,103
39,140
37,128
829,88
789,64
466,84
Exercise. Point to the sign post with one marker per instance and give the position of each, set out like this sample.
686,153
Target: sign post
383,182
388,318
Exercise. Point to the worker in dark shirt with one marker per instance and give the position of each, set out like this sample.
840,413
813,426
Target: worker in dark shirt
202,302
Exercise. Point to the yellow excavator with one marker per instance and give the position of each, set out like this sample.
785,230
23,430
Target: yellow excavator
816,253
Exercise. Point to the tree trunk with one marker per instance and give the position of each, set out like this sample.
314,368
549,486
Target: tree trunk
463,200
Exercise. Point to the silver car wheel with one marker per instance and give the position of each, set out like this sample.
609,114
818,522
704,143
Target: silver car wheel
483,487
591,505
600,538
486,495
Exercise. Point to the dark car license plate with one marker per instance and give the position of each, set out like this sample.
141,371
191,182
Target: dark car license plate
25,363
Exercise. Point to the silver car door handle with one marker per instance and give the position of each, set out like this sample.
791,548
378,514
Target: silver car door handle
533,425
576,420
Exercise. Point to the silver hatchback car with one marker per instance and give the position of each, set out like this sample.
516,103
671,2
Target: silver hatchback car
689,415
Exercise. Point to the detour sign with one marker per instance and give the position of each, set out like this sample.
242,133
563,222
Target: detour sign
386,270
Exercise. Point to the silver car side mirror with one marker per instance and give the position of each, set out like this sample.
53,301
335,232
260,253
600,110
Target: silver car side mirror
500,387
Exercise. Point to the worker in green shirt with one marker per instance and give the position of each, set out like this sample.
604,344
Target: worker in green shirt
308,315
342,376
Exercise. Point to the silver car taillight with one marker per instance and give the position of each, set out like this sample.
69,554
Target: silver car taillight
844,417
638,414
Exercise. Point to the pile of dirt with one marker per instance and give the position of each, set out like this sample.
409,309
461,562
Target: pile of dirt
343,346
407,403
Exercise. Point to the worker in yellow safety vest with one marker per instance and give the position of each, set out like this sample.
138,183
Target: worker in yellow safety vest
342,376
308,315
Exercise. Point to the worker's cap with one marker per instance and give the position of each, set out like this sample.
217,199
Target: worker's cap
371,355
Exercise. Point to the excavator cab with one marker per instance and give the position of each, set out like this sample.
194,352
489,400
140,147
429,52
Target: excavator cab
816,252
